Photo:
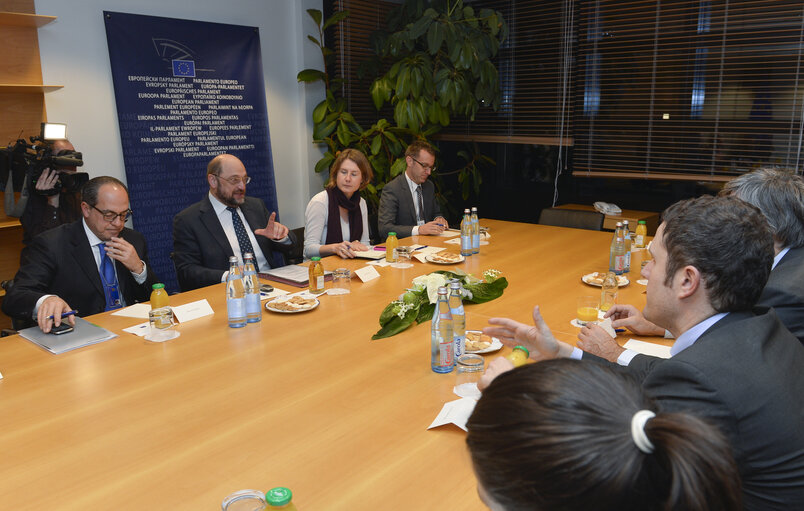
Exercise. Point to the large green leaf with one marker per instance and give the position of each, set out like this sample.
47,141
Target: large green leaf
377,93
314,40
335,18
324,163
311,75
323,130
435,38
344,135
316,15
398,167
376,144
319,112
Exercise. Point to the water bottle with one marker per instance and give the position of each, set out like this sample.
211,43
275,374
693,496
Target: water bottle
235,295
442,358
252,287
466,234
619,256
458,317
627,241
475,232
617,232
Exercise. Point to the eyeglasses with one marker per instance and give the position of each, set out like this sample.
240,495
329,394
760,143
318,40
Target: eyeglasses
110,216
234,180
431,168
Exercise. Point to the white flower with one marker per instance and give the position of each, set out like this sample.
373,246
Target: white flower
432,282
491,275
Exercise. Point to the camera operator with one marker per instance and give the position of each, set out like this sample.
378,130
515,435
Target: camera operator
52,201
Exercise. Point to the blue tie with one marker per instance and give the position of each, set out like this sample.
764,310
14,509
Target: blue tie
111,288
242,237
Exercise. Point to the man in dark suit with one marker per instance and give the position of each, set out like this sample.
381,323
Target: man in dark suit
711,259
779,195
93,264
408,205
223,224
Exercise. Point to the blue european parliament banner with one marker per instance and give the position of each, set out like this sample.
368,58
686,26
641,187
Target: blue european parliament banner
186,91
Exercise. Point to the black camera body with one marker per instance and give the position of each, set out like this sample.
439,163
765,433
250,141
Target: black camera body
27,161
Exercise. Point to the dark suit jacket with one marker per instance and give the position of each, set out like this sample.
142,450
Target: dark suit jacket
61,262
201,250
785,291
397,212
744,374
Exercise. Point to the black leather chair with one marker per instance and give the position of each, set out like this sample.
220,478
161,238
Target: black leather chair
296,253
577,219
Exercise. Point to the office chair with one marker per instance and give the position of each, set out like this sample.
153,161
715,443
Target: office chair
577,219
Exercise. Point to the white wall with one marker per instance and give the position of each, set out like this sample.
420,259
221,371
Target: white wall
74,54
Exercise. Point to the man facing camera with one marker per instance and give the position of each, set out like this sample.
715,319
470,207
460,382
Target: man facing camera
93,265
408,205
223,224
741,371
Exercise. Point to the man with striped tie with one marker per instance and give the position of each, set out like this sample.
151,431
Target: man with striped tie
92,265
224,223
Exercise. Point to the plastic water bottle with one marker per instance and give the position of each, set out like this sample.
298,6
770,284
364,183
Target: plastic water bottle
618,256
466,234
458,317
475,232
442,357
252,287
235,295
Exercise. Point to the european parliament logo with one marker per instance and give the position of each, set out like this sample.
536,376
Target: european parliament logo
184,68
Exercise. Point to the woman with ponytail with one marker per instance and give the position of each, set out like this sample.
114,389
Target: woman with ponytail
562,435
339,213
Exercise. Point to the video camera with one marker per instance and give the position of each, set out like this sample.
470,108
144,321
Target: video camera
25,160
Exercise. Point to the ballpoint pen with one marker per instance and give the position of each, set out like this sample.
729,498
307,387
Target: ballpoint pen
65,314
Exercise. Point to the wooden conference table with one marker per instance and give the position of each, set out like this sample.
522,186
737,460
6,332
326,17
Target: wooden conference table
306,401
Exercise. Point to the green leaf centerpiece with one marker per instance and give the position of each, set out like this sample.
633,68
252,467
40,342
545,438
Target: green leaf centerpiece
418,303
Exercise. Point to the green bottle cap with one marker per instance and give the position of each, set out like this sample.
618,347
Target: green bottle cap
523,349
158,285
642,222
392,233
315,258
279,496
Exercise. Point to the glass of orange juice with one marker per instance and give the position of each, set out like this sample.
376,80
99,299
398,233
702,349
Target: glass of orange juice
587,309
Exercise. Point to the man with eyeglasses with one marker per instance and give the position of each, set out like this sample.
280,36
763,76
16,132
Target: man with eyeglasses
224,223
90,265
408,205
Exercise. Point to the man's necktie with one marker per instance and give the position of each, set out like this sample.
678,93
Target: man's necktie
111,288
421,202
242,236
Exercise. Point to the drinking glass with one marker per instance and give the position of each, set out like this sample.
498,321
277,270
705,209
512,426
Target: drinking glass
341,282
587,309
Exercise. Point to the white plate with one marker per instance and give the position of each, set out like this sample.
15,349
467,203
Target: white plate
429,258
286,298
496,344
587,279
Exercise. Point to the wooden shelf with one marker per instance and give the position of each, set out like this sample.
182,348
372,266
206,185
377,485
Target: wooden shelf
19,87
9,223
14,19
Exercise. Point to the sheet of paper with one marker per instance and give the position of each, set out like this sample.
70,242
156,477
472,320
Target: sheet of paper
449,233
273,294
421,254
192,310
367,273
369,254
138,310
1,376
648,348
141,329
455,412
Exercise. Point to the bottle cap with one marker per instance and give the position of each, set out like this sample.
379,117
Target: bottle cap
248,255
474,208
465,211
158,285
442,290
392,233
642,222
523,349
454,284
315,258
279,496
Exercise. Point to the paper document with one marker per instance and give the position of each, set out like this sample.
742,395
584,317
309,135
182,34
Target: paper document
138,310
648,348
455,412
369,254
449,233
141,329
292,274
85,333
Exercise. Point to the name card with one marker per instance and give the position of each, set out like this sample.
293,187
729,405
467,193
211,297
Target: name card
367,273
192,310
